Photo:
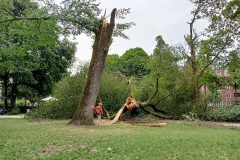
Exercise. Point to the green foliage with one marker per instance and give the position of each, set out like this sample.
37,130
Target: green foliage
234,67
14,111
112,63
180,100
225,114
169,80
161,45
76,16
234,64
50,110
32,56
232,10
134,63
67,92
113,92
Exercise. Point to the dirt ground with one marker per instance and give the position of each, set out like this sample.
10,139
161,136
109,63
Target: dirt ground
160,123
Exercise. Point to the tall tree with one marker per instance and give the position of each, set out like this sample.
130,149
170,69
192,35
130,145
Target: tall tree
18,40
76,17
112,63
221,33
133,63
103,40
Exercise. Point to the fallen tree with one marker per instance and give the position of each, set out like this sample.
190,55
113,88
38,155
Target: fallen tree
132,105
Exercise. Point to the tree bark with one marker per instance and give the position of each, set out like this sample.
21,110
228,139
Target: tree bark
103,40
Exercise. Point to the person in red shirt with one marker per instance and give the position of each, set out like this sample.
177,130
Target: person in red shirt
99,111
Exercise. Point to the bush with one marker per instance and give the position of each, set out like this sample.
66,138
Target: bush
51,110
225,114
113,92
14,111
68,92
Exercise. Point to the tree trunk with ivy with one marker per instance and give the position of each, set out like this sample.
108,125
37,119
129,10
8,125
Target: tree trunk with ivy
103,40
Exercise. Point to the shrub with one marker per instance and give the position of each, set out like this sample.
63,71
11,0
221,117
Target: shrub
14,111
112,93
68,93
51,110
225,114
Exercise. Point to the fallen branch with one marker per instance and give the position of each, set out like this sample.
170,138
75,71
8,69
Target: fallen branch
118,115
155,114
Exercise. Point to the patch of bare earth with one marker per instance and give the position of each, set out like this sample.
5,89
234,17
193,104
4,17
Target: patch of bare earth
50,149
148,123
54,148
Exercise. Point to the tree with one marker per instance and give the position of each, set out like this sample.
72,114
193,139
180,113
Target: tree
133,63
234,70
38,70
77,17
103,40
112,63
161,45
156,86
221,33
159,87
19,39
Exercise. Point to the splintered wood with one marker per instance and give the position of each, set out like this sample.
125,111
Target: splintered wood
130,104
115,120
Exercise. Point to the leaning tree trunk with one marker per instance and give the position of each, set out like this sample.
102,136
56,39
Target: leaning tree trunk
103,40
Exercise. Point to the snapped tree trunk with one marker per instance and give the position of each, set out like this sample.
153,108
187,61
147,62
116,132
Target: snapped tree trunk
103,40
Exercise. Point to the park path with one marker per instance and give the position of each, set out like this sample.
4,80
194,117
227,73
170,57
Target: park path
12,116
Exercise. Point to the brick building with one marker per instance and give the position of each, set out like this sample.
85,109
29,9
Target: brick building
228,95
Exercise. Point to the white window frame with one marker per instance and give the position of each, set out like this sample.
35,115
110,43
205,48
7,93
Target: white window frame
228,95
229,103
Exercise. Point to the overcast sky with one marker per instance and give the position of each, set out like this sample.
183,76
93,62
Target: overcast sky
152,17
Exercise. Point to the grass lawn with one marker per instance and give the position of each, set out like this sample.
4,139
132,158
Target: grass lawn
22,140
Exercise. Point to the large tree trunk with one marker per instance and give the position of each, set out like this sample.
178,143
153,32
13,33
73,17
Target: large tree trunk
103,40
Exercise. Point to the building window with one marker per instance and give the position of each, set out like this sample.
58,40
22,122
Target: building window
228,103
228,95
